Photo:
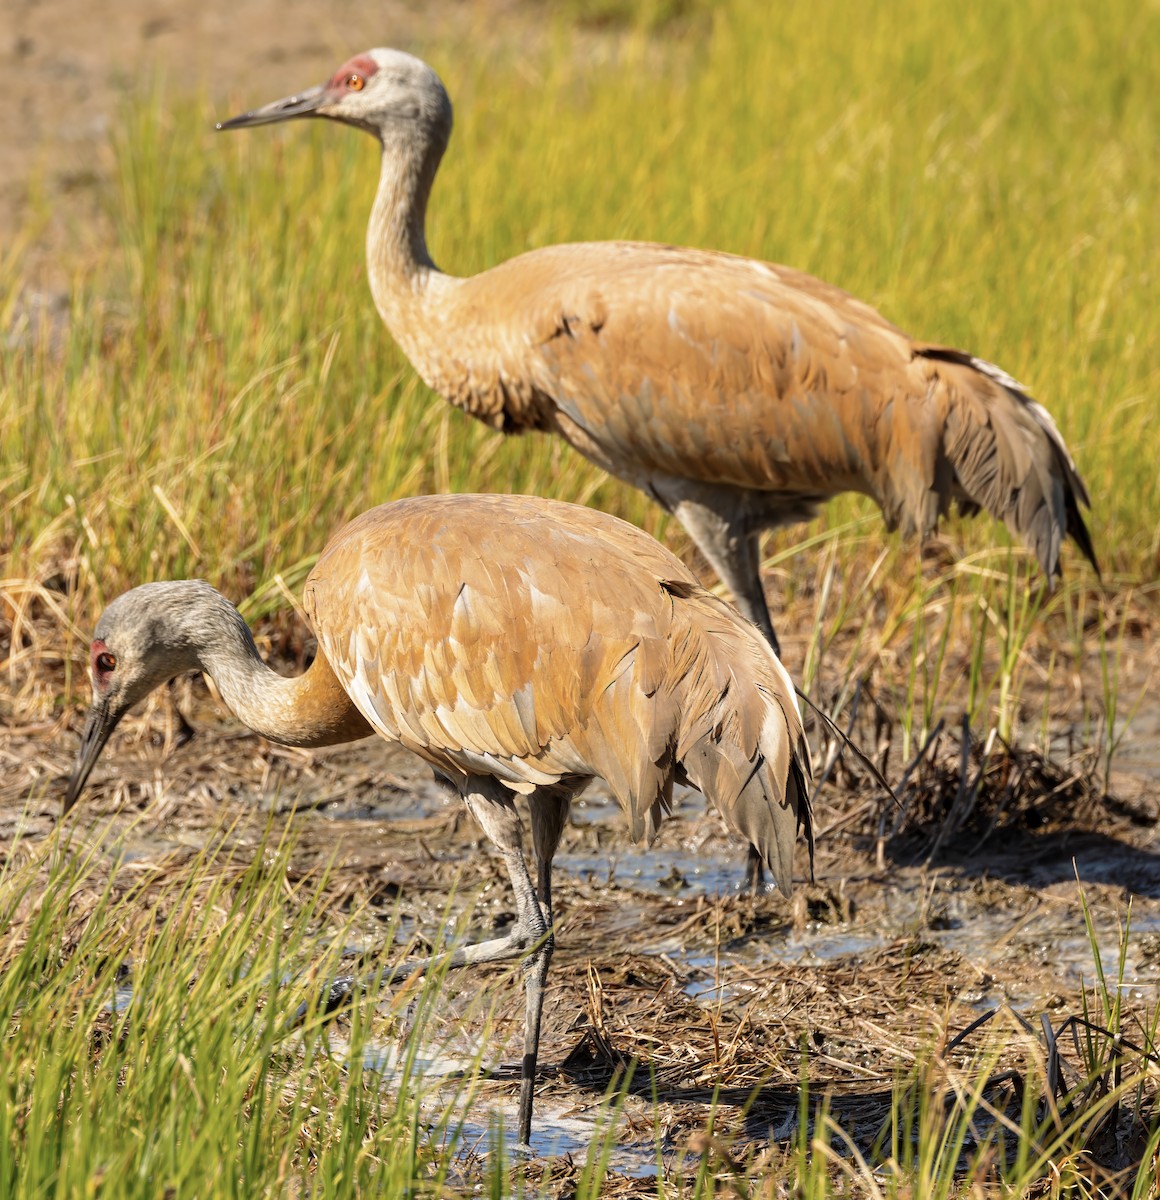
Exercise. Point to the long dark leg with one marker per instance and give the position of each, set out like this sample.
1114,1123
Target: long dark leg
493,807
755,883
549,811
734,552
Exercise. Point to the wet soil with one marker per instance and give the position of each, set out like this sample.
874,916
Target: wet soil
661,961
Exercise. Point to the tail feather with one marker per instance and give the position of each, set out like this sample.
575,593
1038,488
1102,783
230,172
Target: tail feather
639,709
1008,457
740,739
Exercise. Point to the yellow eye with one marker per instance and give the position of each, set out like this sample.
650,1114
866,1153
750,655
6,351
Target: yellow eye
356,83
105,663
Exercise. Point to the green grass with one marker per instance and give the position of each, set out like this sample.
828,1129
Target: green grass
181,1084
224,395
145,1056
984,174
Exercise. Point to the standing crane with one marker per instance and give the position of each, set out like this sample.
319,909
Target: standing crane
518,645
740,395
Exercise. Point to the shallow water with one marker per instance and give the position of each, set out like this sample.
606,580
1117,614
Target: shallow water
682,873
1059,959
559,1128
1009,929
1050,942
1025,956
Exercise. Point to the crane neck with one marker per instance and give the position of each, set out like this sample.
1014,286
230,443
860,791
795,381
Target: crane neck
311,709
398,263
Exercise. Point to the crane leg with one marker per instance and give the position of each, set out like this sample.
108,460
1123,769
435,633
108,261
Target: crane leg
735,554
549,810
178,731
755,883
492,806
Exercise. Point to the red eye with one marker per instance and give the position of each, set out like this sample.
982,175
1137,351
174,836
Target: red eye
105,662
356,83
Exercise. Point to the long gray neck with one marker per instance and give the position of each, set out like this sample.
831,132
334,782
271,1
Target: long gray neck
398,263
311,709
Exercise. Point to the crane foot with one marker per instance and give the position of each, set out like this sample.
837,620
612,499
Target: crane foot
755,882
339,994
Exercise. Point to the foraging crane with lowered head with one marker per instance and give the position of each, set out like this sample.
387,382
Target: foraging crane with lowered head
518,645
740,395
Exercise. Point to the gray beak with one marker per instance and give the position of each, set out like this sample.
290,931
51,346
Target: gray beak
305,104
100,723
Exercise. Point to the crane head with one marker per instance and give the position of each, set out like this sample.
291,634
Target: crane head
145,638
378,91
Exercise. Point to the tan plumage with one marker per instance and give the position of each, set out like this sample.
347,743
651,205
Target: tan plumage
543,643
738,393
685,370
518,645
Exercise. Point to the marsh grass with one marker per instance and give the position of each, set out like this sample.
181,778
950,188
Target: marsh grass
222,394
145,1012
146,1045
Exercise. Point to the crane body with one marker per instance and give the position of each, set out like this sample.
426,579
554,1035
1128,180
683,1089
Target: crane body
519,646
739,394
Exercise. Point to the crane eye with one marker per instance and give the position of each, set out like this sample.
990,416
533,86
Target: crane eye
356,83
105,663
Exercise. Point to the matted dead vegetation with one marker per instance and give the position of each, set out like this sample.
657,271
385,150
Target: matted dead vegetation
704,1010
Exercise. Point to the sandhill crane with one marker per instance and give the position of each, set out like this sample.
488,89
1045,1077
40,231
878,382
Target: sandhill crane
518,645
738,394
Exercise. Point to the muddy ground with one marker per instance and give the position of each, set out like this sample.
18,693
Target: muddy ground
660,959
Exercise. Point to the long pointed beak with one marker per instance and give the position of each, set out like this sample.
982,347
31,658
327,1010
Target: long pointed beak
305,104
100,723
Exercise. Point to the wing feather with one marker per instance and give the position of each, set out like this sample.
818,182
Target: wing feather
624,667
662,363
495,646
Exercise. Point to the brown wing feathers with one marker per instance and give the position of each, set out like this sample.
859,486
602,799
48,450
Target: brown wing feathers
1008,456
537,641
741,740
691,365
